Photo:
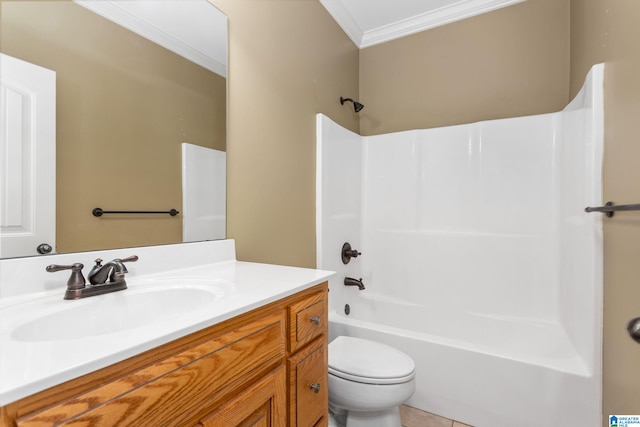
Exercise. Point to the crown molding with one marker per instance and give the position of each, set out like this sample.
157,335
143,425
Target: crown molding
111,11
435,18
345,20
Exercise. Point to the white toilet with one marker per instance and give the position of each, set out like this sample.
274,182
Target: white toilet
368,381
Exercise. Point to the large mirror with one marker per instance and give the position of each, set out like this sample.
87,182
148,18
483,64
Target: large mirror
128,95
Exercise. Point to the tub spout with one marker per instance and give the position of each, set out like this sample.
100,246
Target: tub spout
349,281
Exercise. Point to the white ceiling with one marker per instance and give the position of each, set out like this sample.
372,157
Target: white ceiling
370,22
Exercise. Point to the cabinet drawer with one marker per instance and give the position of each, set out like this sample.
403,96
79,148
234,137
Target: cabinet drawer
307,320
309,382
173,390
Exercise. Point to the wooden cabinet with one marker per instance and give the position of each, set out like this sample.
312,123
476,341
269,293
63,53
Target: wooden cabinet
267,367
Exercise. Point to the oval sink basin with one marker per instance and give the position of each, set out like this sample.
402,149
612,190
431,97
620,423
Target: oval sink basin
122,310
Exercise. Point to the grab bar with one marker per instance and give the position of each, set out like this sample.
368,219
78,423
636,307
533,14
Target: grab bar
608,209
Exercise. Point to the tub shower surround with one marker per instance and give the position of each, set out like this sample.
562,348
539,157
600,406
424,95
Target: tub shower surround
478,258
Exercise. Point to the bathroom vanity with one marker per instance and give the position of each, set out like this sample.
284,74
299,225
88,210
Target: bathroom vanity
258,362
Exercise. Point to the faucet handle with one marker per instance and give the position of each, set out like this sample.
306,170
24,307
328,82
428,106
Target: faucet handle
132,258
348,253
76,280
117,273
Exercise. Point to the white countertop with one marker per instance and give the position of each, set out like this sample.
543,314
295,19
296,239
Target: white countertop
27,367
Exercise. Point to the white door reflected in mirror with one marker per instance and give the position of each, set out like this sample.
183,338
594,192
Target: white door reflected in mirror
27,158
204,193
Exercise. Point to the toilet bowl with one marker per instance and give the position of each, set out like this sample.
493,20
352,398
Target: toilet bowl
368,381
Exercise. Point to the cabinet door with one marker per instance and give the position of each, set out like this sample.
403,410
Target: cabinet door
264,404
308,381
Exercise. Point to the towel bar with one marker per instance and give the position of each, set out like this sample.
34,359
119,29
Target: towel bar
100,212
608,209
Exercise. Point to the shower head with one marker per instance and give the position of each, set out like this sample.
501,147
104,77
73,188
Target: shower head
356,105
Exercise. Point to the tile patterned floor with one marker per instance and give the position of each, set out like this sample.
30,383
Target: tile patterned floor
412,417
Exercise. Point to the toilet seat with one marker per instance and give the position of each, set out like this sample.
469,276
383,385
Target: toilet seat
369,362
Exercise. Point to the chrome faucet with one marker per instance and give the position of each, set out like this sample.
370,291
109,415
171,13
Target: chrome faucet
350,281
76,285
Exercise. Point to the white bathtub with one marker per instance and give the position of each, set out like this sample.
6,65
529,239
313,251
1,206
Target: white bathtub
478,258
480,370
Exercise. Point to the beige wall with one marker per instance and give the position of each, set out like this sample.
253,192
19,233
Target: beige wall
124,106
507,63
588,38
609,31
288,60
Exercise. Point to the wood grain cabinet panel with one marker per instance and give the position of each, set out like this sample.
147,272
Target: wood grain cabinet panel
262,404
322,422
309,384
173,388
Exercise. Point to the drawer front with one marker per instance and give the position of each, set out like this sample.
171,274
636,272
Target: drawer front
307,320
173,390
309,374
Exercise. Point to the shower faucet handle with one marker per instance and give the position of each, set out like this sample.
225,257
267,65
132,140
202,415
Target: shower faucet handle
348,253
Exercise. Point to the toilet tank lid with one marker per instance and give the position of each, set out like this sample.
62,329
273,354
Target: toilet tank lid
358,357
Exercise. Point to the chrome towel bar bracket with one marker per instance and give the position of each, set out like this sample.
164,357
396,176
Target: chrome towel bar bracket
608,209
